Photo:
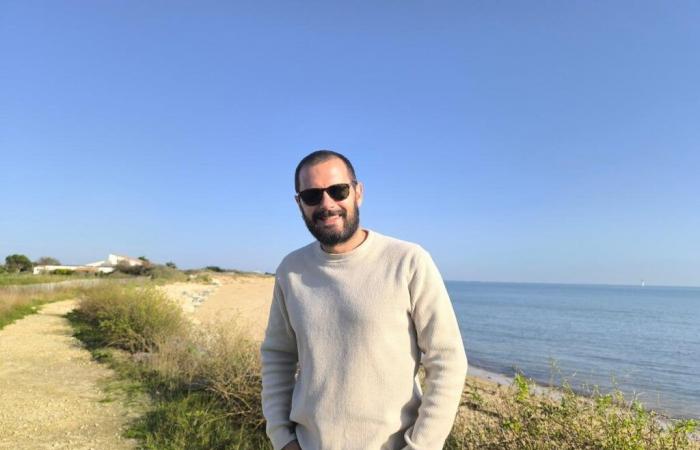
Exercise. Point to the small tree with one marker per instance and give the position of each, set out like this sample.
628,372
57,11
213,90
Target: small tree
47,261
18,263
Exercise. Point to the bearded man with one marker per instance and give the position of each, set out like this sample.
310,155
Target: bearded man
353,316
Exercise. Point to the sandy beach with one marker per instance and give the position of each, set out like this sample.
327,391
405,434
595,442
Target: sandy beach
244,299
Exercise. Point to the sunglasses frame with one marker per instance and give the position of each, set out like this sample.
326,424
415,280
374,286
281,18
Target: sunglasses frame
326,189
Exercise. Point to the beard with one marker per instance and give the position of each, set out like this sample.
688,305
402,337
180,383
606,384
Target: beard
333,237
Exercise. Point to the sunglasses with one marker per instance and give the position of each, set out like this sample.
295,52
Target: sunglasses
313,196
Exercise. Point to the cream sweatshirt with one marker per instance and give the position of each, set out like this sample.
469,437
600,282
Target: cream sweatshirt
344,341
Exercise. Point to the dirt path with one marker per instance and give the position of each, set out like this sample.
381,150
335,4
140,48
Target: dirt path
49,388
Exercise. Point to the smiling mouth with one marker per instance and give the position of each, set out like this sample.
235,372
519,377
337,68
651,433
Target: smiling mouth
328,217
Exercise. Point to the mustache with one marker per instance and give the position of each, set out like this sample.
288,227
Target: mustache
324,214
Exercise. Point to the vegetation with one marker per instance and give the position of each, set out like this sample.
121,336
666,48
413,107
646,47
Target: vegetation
516,417
17,263
16,304
129,317
11,279
205,388
47,261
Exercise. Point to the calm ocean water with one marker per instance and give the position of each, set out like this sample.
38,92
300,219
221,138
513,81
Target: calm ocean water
643,340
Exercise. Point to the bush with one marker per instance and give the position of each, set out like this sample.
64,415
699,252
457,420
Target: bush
136,319
47,261
137,270
515,417
166,273
18,263
63,272
214,269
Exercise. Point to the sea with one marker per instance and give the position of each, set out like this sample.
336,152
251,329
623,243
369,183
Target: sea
642,340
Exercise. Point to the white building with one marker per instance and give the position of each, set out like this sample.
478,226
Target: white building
106,266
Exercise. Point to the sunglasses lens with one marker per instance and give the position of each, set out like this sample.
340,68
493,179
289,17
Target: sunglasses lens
311,197
339,192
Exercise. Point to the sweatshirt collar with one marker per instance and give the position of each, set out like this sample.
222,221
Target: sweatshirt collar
346,256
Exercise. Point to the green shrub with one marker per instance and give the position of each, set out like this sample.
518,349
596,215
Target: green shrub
18,263
165,273
63,272
136,319
516,417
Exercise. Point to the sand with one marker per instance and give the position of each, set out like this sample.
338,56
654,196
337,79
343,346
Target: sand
243,299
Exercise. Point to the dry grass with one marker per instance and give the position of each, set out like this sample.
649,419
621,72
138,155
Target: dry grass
221,361
17,303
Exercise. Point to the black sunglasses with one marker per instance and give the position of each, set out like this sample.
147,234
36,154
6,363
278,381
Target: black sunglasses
313,196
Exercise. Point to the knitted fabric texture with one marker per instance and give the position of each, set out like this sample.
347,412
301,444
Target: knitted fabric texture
344,341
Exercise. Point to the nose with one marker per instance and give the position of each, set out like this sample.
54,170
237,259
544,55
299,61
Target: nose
327,201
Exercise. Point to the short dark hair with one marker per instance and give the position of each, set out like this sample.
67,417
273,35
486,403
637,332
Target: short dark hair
320,156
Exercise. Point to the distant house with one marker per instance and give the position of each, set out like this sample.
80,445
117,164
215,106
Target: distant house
113,260
106,266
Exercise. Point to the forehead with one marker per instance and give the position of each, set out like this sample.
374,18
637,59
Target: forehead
323,174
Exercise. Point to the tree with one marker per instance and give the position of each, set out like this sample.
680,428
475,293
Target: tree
47,261
18,263
171,265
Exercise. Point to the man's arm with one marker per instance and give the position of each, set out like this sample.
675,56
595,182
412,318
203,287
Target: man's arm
443,358
279,364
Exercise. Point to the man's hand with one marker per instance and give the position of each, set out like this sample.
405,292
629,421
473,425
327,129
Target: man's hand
294,445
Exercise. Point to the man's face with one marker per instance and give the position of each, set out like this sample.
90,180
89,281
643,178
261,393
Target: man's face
332,221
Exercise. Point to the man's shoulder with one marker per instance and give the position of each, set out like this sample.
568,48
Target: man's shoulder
396,245
297,256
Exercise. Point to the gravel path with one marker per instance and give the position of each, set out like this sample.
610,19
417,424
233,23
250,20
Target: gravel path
50,396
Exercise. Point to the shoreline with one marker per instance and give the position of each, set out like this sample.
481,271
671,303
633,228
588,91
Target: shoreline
555,392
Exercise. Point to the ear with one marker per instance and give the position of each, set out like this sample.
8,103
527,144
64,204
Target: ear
359,193
297,199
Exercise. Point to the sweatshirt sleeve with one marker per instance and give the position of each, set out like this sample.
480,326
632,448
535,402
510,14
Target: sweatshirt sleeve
444,359
279,365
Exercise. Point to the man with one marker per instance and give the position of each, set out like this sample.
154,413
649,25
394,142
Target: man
353,315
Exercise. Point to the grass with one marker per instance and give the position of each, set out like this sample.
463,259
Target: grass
14,279
205,390
15,305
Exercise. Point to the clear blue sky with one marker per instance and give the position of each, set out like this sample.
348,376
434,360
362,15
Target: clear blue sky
516,141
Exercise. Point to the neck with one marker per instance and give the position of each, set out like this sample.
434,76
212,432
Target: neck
351,244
